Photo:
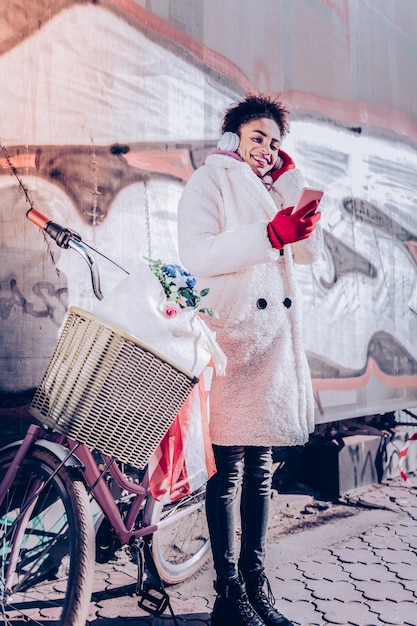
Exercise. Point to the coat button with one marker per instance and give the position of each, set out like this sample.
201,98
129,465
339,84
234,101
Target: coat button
287,303
261,303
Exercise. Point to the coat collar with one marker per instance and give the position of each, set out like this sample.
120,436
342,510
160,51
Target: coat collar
248,182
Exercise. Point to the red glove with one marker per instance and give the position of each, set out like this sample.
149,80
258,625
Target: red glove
284,164
288,227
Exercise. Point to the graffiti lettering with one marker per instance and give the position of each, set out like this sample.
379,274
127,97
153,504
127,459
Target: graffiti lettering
44,291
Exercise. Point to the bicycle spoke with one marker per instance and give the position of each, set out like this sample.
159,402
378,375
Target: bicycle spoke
181,544
43,561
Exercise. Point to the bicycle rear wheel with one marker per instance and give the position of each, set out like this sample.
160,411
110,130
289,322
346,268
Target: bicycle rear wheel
51,537
182,545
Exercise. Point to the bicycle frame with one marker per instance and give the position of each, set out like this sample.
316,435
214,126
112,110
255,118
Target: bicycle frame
94,480
130,518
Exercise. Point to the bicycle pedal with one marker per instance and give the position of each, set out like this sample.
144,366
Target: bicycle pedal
154,601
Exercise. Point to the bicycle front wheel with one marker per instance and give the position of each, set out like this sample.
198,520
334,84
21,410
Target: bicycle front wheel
181,545
46,544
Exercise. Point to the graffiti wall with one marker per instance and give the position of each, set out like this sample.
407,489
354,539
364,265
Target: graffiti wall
107,108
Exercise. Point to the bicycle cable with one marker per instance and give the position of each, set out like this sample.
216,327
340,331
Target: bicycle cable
106,257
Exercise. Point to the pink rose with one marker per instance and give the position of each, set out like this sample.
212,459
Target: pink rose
171,309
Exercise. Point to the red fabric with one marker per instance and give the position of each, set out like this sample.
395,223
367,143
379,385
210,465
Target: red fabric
288,227
287,164
274,237
170,469
168,466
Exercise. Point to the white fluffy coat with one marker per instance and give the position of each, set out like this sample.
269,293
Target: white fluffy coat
266,398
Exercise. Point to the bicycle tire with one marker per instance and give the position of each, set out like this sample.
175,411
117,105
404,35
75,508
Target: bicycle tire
182,547
55,561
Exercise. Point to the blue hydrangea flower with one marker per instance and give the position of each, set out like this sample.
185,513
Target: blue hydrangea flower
179,285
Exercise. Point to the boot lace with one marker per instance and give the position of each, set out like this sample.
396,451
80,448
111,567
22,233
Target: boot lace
264,603
268,598
246,609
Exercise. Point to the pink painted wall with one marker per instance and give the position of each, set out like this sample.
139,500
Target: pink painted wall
108,107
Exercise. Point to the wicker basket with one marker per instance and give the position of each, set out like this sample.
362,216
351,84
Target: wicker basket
108,390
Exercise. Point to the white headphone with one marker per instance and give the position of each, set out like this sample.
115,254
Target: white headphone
229,142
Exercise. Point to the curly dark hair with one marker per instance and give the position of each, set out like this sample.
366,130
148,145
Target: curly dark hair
253,107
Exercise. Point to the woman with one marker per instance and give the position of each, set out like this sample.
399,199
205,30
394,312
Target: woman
239,237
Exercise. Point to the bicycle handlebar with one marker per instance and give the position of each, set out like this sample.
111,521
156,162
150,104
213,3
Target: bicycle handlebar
38,218
59,233
67,238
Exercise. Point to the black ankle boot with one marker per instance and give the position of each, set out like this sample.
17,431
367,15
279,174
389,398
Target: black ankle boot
232,607
262,602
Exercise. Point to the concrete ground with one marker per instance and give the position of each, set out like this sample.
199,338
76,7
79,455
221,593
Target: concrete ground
349,562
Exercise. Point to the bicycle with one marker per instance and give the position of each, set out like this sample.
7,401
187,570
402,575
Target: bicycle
49,480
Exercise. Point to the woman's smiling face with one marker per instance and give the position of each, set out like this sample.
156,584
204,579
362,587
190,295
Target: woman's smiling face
259,144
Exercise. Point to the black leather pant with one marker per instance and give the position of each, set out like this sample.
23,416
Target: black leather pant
251,468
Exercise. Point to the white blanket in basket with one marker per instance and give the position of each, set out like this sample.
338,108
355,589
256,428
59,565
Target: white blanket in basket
136,306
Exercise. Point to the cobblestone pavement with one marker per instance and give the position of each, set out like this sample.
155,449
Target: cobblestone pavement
353,562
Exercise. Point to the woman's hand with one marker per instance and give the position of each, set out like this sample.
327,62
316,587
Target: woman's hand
283,164
288,227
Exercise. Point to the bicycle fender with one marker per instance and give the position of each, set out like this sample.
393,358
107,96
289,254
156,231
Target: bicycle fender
57,449
60,451
14,444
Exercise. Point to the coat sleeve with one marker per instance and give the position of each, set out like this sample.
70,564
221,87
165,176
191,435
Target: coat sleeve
205,246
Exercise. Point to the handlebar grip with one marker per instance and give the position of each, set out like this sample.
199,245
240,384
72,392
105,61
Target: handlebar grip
59,233
38,218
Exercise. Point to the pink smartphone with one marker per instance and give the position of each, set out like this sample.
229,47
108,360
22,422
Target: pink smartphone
307,194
